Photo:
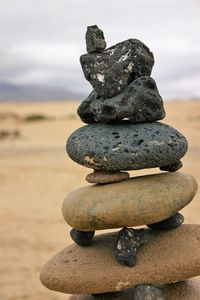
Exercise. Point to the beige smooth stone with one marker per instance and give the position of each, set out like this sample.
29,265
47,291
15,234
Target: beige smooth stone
184,290
169,256
133,202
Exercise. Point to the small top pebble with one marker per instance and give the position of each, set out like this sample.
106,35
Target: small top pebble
95,40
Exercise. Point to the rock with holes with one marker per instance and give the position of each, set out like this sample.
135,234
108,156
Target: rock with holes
167,257
126,146
132,202
111,71
139,102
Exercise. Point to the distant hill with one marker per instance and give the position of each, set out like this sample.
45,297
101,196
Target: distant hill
11,92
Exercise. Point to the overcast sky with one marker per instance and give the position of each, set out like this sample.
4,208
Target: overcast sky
42,40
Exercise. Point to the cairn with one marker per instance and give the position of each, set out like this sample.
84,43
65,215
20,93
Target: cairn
123,134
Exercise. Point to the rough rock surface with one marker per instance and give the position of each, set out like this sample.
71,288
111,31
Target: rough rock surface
77,270
139,102
111,71
132,202
128,244
95,41
106,177
126,146
170,223
184,290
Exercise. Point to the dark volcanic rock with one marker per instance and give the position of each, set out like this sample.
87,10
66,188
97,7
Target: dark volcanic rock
172,168
82,238
126,146
147,292
128,243
95,39
170,223
139,102
111,71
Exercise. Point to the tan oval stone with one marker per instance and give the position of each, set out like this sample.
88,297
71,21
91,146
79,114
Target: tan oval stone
169,256
136,201
101,177
184,290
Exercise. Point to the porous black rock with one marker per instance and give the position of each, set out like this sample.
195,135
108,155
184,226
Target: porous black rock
111,71
125,146
139,102
128,243
95,40
173,167
170,223
82,238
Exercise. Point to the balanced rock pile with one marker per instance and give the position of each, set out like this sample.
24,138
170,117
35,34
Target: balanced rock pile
123,134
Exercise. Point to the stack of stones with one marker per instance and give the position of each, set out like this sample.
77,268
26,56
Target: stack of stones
123,134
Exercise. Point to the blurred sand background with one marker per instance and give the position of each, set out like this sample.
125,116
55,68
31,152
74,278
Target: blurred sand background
36,175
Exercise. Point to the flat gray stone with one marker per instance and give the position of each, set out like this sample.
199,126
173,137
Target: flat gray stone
111,71
139,102
126,146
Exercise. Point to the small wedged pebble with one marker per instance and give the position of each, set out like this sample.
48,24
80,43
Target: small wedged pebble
173,167
95,40
101,177
170,223
82,238
111,71
139,102
125,146
127,246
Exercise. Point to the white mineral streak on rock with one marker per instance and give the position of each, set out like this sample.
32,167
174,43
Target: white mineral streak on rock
119,246
100,77
111,51
90,160
122,285
130,66
115,149
130,234
124,57
157,143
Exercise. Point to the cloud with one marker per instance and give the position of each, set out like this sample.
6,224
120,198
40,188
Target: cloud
41,41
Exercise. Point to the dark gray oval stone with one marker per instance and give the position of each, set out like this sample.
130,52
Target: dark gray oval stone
126,146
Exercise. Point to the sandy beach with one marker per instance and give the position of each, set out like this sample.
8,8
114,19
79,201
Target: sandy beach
36,175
